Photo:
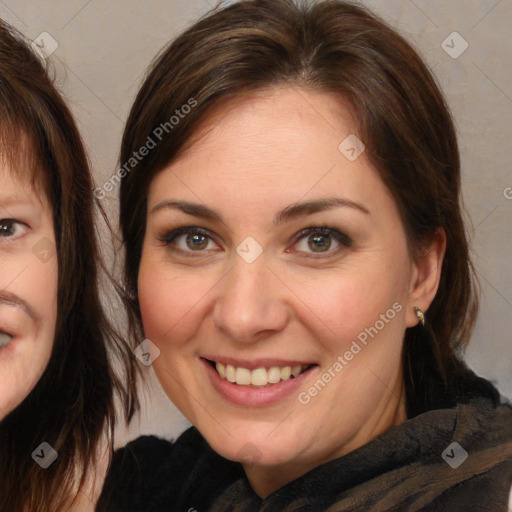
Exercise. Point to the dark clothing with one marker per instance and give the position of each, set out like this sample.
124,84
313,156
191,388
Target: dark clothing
406,468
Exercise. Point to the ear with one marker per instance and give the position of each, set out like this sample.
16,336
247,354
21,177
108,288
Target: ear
425,277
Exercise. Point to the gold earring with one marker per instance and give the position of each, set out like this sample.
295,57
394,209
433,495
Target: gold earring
420,315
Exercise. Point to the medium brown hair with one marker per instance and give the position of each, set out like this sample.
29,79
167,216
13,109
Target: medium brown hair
339,47
71,407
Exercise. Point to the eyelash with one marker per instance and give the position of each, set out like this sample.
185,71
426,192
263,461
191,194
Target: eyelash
169,237
10,223
338,236
344,241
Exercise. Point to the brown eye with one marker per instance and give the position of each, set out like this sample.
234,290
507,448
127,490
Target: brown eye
196,241
11,228
188,240
7,227
319,242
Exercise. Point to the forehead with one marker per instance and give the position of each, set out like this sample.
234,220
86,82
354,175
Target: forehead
20,184
19,153
283,143
272,116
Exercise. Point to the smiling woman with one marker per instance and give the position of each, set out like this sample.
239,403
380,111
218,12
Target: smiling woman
295,249
27,328
56,381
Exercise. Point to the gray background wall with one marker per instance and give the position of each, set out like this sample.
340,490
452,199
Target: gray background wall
104,48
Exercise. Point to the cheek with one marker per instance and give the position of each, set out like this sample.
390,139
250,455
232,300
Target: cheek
170,301
36,282
344,303
40,285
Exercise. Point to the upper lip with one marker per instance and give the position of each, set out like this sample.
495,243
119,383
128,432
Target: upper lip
256,363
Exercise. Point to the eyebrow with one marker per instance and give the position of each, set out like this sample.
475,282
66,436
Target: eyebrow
196,209
290,212
10,200
317,205
9,299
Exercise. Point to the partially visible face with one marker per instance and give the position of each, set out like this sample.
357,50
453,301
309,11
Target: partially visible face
28,288
267,252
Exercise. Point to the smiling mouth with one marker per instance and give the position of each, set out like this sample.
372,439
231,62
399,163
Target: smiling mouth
259,377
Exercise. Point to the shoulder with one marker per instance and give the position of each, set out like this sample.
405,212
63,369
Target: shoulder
152,474
143,451
143,467
149,451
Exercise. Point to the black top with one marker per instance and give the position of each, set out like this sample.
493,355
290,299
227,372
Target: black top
408,467
149,473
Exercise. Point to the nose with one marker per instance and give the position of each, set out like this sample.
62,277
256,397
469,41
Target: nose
252,303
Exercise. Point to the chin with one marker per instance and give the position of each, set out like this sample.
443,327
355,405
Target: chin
254,446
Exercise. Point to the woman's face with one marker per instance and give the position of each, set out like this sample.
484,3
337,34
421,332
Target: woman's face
28,288
270,249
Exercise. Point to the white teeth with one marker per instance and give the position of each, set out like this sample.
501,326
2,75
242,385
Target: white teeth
230,373
286,372
221,369
274,374
243,376
259,376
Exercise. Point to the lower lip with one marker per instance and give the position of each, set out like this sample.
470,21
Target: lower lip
253,396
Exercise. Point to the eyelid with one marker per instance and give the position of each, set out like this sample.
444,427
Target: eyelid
168,236
8,239
325,230
340,237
